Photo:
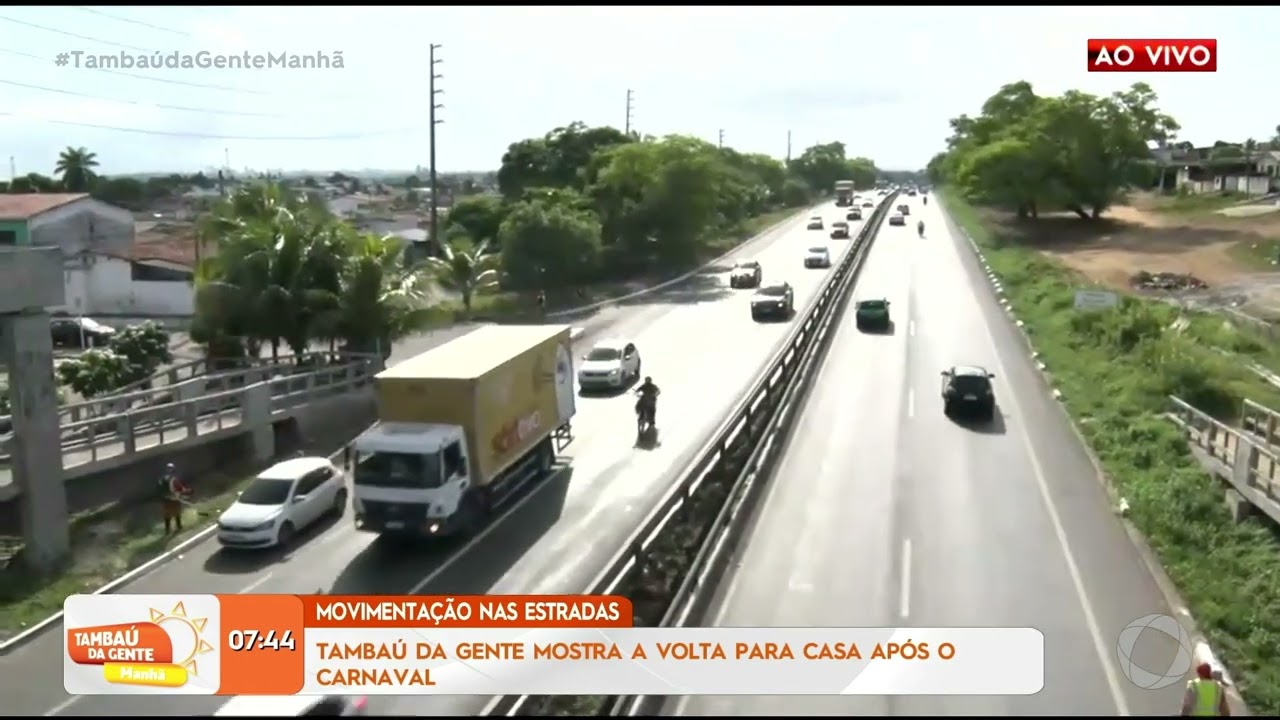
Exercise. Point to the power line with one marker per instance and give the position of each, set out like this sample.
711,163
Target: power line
74,35
206,136
137,76
118,18
140,103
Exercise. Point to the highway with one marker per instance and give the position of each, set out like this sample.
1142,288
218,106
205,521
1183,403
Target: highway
702,348
884,512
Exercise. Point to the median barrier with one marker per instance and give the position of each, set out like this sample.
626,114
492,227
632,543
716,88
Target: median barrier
720,483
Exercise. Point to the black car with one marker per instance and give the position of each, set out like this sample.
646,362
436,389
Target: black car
904,209
854,214
966,390
773,301
78,332
868,205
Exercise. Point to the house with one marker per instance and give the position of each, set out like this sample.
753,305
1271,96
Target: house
1208,170
103,270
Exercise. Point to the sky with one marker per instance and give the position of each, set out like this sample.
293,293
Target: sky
883,80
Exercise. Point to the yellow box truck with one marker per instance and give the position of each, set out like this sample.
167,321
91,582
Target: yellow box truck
461,427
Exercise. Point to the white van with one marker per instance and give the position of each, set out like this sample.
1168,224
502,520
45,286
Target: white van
301,705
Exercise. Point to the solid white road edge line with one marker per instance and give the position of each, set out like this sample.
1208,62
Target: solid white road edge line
904,595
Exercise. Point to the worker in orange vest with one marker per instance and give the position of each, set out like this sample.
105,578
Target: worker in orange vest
173,496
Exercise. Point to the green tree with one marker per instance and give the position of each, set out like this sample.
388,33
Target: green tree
75,168
560,159
549,244
464,268
95,372
479,215
125,192
144,346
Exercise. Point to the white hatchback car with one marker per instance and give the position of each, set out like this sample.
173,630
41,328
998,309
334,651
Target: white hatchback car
612,364
817,257
282,500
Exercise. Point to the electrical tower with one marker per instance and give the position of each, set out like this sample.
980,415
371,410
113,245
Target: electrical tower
435,185
631,98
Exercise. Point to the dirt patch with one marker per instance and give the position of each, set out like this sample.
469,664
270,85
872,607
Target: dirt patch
1229,254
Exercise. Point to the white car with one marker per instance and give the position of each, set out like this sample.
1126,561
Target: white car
817,257
611,364
300,705
281,501
815,222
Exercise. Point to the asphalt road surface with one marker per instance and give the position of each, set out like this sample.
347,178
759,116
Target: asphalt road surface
702,348
886,513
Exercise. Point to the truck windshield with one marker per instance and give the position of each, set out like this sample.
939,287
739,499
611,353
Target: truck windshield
397,470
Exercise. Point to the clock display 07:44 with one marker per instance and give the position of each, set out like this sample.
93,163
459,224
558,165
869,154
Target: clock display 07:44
252,640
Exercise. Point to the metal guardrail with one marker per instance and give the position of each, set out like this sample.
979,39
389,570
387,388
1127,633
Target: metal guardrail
741,450
210,401
1265,327
1244,459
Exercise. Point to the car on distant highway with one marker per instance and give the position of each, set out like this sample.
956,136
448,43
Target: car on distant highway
967,391
817,257
773,301
612,364
839,230
873,315
281,501
746,274
868,205
897,219
854,214
905,209
815,222
299,705
911,192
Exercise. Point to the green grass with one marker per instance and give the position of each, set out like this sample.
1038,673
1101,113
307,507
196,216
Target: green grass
1114,370
105,544
1195,204
1258,254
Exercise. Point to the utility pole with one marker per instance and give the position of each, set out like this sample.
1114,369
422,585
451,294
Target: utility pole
435,185
788,147
720,143
631,96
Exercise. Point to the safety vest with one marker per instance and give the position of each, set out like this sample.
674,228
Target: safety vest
1208,695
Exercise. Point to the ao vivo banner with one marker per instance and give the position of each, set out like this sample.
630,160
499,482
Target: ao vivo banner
507,645
1153,55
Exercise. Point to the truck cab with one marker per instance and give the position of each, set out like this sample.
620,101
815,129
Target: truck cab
409,477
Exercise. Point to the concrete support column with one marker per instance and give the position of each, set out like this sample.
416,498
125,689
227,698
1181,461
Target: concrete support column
255,414
31,280
26,349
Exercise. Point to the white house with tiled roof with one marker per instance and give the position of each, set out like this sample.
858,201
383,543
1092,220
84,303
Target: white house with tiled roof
97,241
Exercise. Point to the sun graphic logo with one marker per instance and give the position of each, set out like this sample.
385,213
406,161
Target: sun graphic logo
186,635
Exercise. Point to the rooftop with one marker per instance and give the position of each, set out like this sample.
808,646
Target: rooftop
24,206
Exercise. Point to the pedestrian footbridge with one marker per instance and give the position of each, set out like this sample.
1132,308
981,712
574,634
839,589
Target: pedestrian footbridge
194,404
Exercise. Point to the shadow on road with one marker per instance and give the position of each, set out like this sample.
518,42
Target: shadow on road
396,565
994,426
234,561
706,286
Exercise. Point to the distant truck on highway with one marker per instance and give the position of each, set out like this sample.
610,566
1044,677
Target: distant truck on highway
461,427
844,193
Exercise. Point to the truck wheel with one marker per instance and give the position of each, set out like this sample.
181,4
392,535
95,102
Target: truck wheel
546,458
473,513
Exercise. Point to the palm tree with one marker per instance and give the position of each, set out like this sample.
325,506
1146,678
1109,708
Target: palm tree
381,300
464,268
75,167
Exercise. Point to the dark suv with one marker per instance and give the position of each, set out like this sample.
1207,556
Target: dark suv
966,390
773,301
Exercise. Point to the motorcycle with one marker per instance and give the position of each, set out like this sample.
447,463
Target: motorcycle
920,229
926,201
645,407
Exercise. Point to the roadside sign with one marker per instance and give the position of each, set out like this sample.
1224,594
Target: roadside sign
1095,299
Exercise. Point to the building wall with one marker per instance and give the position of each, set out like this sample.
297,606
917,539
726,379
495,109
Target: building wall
84,225
19,230
112,290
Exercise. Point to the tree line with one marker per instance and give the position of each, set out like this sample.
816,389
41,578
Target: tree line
579,205
1076,151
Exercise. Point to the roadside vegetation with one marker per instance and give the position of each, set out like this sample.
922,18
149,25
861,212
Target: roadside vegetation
582,214
1029,155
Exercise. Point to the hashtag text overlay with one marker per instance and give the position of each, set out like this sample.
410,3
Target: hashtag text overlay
203,60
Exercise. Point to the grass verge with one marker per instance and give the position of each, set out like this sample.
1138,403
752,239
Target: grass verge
112,540
1115,370
106,543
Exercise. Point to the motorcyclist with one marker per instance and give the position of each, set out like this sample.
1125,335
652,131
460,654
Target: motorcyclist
920,228
926,200
648,401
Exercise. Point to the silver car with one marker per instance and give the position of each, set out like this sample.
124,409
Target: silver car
611,365
817,257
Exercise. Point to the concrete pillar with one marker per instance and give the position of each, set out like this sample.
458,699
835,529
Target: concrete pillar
1242,465
255,414
27,351
30,280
